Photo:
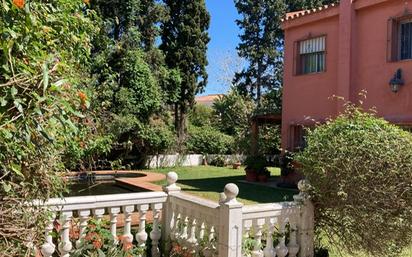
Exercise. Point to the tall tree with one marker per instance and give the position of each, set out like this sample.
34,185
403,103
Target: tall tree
132,78
262,43
184,41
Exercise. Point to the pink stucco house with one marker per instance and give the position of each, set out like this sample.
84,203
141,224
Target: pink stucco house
340,50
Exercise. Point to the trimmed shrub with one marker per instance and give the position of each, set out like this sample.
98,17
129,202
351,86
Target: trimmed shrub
207,140
269,139
218,161
201,115
360,169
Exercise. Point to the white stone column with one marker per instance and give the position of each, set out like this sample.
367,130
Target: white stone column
305,221
168,214
230,223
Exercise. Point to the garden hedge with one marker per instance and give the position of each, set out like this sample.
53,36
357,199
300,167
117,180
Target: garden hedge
360,169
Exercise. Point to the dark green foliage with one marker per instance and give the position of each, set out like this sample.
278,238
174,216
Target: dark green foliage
257,163
44,78
138,93
360,169
261,45
184,42
271,103
218,161
134,85
99,241
201,115
232,113
269,139
155,138
296,5
207,140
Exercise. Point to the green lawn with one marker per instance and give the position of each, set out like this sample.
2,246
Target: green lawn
209,181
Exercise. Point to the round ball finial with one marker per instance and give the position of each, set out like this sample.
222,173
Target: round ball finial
171,178
231,191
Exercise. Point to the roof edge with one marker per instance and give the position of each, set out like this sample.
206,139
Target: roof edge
305,16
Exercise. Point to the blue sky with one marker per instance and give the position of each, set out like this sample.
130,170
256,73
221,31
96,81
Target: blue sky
223,32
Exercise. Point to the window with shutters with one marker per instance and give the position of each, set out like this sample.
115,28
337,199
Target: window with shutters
400,38
298,138
311,55
405,39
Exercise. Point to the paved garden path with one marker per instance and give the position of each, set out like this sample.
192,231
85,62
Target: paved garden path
143,182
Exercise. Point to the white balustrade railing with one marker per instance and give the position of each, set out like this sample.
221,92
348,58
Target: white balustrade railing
86,207
201,226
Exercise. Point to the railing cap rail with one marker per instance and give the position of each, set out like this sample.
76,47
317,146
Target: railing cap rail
269,207
195,200
95,201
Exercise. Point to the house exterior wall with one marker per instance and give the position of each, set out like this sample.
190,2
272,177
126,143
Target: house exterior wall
356,59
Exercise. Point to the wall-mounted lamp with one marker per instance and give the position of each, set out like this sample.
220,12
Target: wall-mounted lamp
396,82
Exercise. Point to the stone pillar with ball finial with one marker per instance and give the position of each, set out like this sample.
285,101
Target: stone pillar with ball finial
167,212
230,227
305,226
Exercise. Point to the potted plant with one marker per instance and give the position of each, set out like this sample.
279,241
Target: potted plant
254,165
263,175
237,163
251,175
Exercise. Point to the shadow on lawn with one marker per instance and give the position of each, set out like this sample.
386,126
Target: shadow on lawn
256,193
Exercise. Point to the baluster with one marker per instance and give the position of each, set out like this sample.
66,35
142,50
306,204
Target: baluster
84,216
48,248
192,241
127,234
114,211
172,224
176,228
293,246
98,214
257,251
141,235
281,249
212,239
247,225
155,234
184,235
269,250
209,249
202,230
65,245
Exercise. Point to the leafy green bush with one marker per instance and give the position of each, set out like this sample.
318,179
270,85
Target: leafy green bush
218,161
98,241
155,138
360,168
44,76
269,139
207,140
257,163
201,115
232,113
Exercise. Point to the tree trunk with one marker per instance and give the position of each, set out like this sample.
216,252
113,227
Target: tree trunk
177,118
182,126
258,84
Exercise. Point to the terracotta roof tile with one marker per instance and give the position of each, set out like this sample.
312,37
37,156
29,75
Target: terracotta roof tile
207,99
298,14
